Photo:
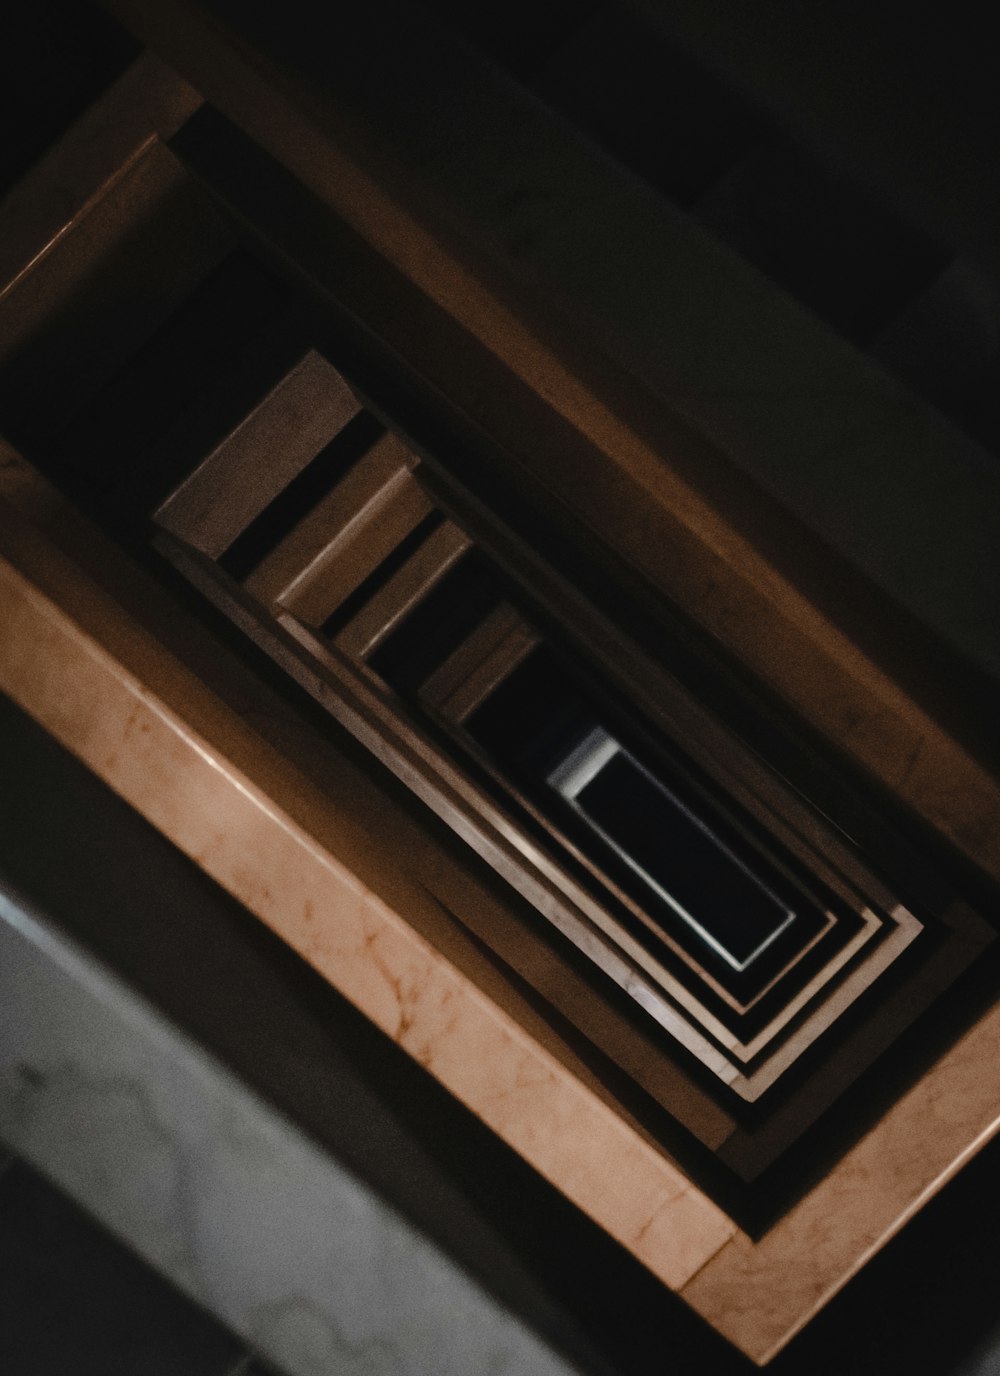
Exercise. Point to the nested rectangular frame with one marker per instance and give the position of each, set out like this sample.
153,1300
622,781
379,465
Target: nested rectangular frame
567,905
314,548
724,1054
223,482
359,706
116,695
353,701
371,624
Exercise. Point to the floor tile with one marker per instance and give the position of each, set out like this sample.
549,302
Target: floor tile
75,1302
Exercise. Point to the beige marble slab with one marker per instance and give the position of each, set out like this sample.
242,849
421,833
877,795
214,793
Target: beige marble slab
760,1294
106,689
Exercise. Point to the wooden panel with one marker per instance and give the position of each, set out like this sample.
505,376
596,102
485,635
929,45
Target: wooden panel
440,551
480,664
260,457
345,536
147,101
349,560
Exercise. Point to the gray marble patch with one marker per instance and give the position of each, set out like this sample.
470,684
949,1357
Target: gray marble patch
219,1192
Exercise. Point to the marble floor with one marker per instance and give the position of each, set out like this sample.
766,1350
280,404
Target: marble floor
219,1193
76,1300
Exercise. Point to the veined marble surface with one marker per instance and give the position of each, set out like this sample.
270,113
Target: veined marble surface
219,1192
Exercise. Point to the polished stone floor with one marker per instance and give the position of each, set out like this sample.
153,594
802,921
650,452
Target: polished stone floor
75,1301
